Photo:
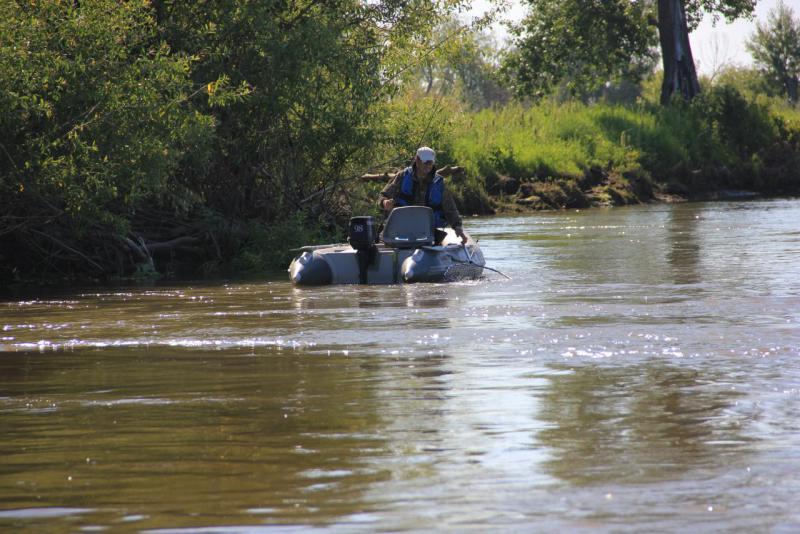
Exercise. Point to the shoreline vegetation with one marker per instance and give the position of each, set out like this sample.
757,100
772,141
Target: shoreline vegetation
522,159
721,145
550,158
154,140
526,159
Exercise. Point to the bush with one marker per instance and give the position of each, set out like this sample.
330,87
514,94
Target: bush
94,123
268,247
742,126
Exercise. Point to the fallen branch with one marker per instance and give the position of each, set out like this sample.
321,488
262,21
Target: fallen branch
448,170
376,177
68,248
384,177
135,248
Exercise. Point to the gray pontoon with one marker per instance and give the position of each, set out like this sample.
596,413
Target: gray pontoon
406,252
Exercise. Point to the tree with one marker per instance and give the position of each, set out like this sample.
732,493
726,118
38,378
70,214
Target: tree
579,45
94,121
310,76
680,75
587,39
775,47
461,60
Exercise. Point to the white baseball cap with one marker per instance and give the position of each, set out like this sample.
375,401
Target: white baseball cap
425,153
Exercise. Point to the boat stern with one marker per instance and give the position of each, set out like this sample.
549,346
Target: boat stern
310,269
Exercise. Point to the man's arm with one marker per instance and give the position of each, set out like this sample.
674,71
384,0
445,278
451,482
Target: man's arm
451,214
451,210
389,192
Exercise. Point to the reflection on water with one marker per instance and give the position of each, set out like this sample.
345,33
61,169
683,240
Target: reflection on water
191,431
647,422
683,252
637,373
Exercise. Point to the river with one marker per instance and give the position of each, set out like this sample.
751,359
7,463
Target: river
639,372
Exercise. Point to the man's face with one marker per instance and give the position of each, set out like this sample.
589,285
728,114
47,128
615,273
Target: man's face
424,167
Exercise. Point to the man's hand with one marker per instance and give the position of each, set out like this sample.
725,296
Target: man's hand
388,204
460,233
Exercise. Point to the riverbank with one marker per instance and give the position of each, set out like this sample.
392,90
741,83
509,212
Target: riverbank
548,157
597,189
515,159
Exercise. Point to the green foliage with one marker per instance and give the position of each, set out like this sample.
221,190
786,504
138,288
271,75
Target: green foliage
82,129
580,46
775,47
413,119
459,60
268,247
576,47
88,94
750,82
743,127
540,141
721,139
730,10
311,77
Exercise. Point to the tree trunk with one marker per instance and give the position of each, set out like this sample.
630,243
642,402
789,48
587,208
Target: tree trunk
791,84
679,72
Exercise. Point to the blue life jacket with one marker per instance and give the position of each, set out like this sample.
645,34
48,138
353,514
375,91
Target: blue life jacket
433,197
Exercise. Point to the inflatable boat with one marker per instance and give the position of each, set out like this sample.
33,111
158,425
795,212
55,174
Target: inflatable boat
410,249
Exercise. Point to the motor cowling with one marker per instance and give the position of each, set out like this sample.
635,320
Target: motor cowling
362,232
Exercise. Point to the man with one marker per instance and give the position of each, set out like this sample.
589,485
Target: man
420,185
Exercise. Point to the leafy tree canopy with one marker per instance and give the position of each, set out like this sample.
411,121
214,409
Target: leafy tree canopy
307,79
775,47
86,96
578,44
583,44
729,10
459,60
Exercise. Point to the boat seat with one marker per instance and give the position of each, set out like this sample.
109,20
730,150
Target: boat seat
409,227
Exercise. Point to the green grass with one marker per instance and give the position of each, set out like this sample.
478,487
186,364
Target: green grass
550,140
555,155
723,129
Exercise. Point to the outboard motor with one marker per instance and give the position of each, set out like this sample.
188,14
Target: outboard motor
362,234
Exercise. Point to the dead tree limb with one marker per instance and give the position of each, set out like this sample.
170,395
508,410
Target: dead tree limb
449,170
70,249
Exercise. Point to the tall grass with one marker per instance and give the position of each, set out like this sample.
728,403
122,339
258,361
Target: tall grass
548,139
721,129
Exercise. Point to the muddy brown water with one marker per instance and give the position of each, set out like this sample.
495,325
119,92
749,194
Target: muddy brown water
640,372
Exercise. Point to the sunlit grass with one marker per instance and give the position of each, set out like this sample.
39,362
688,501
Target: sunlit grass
722,139
552,140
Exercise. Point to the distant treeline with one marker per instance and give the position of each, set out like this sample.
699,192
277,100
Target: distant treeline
146,138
